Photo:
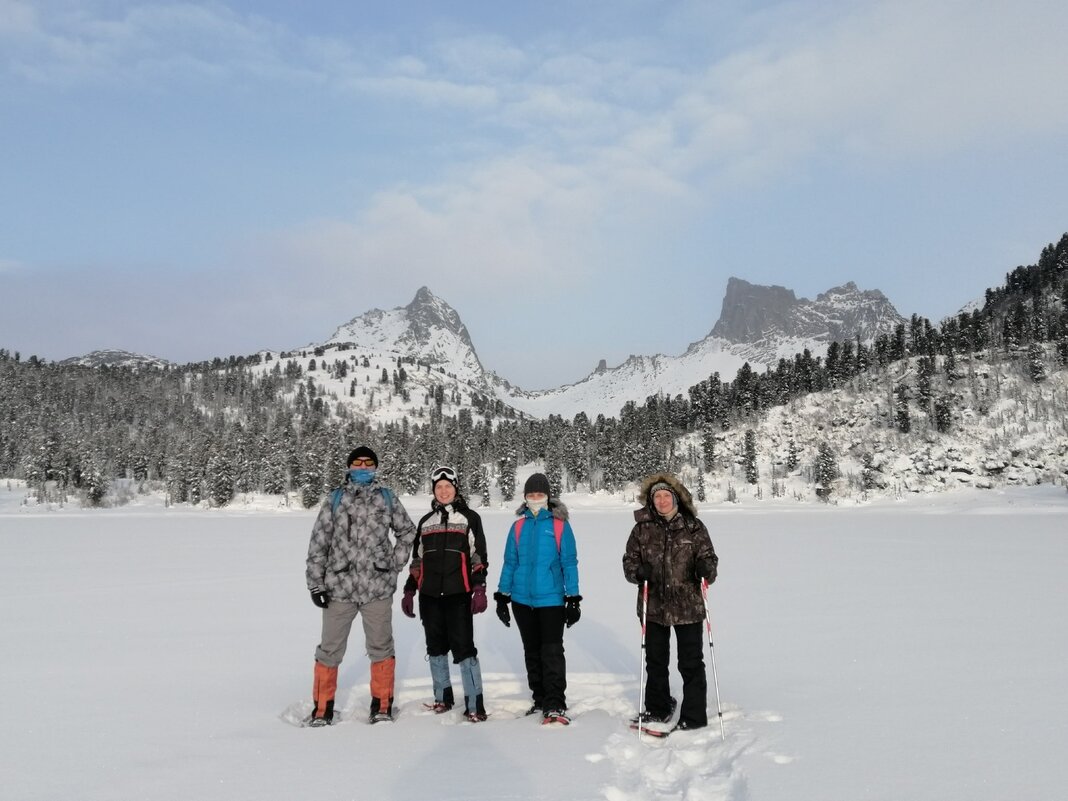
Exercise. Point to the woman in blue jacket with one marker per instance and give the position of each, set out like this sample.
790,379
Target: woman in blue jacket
539,579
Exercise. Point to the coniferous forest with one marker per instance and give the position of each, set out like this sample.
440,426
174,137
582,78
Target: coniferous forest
210,431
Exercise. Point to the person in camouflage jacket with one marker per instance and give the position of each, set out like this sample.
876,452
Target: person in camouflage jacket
669,548
352,569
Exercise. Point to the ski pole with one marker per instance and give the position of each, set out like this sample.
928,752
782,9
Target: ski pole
712,652
641,671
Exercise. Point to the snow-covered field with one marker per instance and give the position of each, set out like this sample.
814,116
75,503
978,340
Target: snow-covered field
902,650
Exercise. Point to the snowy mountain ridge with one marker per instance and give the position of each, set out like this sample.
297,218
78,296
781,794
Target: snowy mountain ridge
757,324
116,358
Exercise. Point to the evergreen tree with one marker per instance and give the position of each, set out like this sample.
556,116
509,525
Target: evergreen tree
943,414
273,460
750,457
825,470
708,446
901,415
553,473
96,485
140,468
793,455
834,366
868,473
1036,362
898,349
311,478
925,367
506,476
220,478
950,364
484,485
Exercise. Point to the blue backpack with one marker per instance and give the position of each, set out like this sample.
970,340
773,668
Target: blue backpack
558,530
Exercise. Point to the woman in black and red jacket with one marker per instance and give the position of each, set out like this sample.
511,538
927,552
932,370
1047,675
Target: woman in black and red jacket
449,571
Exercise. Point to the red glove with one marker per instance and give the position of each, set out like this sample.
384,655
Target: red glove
408,603
478,599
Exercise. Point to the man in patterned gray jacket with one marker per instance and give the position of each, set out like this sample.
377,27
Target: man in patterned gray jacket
352,569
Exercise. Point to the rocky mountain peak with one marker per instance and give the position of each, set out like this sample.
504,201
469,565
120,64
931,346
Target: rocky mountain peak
753,313
427,330
750,311
428,314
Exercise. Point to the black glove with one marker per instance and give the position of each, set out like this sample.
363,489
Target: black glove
706,570
572,613
503,599
320,598
644,572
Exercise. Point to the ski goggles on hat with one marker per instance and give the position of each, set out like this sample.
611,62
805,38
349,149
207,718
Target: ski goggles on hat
439,473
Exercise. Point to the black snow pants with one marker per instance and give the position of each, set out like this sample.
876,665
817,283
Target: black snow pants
542,630
448,625
691,667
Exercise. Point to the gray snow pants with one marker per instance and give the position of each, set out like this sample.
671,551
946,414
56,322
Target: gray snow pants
337,623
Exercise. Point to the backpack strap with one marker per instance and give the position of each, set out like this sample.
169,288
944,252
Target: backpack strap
387,495
558,530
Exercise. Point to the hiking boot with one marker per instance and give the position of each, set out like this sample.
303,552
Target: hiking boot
380,717
686,725
475,717
317,723
652,717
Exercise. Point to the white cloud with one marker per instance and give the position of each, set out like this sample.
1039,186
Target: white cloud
483,58
504,220
893,77
900,78
427,92
596,162
574,147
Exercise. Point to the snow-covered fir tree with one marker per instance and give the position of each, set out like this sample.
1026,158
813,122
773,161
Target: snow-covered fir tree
749,458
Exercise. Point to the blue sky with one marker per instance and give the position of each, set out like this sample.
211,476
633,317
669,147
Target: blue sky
577,179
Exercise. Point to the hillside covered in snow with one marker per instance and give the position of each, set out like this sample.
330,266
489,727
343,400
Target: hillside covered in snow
977,400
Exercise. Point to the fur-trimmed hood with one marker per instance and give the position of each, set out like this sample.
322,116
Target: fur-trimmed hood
685,499
555,506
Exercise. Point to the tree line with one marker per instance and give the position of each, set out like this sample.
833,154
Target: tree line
212,430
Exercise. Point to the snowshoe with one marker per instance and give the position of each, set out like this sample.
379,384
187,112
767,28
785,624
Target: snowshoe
380,717
652,731
317,723
438,707
535,709
475,717
555,716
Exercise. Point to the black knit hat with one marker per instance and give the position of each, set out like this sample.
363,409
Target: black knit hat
537,483
362,452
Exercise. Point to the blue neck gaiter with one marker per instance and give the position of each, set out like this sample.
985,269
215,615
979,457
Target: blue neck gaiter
361,475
